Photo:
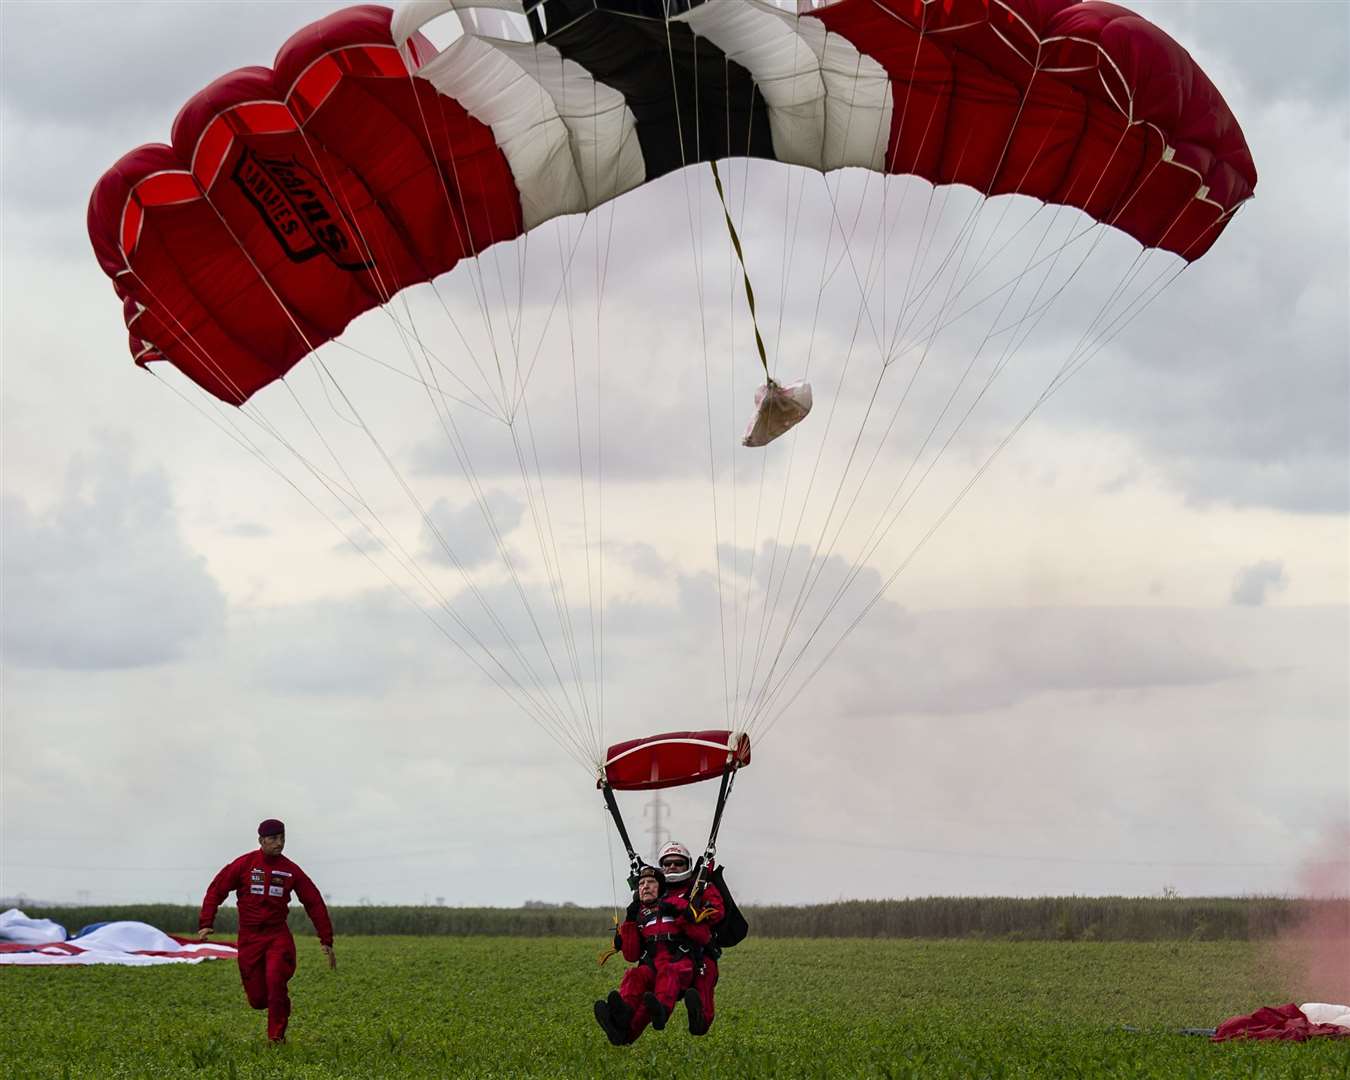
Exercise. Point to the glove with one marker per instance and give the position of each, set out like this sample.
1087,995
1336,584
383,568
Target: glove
632,913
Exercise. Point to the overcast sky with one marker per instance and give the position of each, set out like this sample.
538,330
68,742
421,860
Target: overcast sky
1119,666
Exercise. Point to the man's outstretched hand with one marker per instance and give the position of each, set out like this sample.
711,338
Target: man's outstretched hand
205,932
332,956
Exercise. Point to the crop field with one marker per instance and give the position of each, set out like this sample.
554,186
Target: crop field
511,1007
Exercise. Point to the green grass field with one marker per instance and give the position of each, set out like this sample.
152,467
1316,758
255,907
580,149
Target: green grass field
512,1007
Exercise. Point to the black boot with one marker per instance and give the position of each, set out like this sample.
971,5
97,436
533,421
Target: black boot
620,1011
659,1013
694,1006
616,1035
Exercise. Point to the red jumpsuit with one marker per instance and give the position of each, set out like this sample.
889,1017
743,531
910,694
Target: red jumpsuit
263,885
664,941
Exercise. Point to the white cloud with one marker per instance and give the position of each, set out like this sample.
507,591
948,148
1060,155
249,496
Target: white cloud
103,579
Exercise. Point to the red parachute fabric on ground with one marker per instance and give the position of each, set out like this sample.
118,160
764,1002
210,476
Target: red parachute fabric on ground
673,759
1276,1022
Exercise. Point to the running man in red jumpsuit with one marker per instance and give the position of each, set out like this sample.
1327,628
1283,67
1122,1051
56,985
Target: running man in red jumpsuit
665,938
263,881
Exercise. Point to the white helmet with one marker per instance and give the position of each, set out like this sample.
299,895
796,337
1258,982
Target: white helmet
674,875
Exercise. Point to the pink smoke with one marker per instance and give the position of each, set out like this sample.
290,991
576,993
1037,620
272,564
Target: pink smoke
1312,956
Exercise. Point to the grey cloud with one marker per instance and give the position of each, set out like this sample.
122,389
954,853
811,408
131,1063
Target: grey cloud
645,559
1265,53
980,662
103,578
1072,789
70,111
178,49
1236,380
361,647
464,535
1252,583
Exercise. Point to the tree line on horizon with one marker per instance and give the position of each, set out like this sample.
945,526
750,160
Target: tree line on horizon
1050,918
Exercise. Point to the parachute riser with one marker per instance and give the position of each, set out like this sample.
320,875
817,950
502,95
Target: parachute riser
706,860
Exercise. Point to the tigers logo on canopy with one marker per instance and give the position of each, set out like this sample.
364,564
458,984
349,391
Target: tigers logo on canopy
298,208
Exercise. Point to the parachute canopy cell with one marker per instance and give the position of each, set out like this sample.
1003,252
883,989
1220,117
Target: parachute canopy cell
292,198
673,759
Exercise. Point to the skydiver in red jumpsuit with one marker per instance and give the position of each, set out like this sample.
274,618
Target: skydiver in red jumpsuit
711,909
665,937
263,881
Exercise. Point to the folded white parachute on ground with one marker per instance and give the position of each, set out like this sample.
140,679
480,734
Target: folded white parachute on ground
25,941
1319,1012
777,408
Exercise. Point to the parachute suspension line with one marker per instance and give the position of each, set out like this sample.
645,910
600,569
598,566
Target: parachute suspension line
874,539
461,450
767,608
527,705
459,566
516,695
864,310
869,547
968,232
483,506
547,541
602,277
482,407
425,516
474,270
1123,319
695,221
596,619
1032,264
770,607
1055,386
613,881
539,504
594,722
545,532
735,257
788,255
558,294
1117,323
468,348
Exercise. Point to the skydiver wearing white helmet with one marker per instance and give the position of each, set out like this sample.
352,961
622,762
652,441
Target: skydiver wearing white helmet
708,909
